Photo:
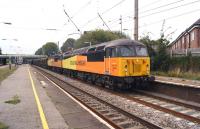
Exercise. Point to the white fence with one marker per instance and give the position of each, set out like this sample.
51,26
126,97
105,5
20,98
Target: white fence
185,52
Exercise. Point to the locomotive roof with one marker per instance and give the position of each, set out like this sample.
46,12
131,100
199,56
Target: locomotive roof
104,45
55,56
120,42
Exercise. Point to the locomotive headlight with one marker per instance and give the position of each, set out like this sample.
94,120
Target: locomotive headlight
126,69
148,69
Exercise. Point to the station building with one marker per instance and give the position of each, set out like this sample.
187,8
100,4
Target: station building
187,41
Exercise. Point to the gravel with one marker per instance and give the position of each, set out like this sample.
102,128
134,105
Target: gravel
150,114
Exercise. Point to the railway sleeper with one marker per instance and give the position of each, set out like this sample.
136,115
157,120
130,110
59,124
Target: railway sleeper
103,111
101,108
118,119
136,127
125,124
111,114
94,105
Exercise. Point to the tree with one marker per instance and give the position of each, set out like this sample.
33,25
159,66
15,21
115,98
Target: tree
157,50
39,52
68,44
162,58
97,36
50,48
150,44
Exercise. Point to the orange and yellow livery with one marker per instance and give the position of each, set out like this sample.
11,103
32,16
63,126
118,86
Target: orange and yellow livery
120,63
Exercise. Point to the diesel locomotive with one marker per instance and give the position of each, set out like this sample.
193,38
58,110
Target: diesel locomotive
115,64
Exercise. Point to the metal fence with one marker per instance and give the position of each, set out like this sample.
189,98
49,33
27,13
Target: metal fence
185,52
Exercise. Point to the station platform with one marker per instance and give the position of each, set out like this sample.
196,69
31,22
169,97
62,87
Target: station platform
178,81
3,66
41,105
7,66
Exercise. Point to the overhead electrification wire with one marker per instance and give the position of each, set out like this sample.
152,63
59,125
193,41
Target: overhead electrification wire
117,19
28,28
172,17
167,18
141,12
107,10
82,8
164,9
104,22
71,20
150,3
169,9
161,6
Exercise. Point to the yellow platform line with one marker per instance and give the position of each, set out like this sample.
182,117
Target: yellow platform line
41,112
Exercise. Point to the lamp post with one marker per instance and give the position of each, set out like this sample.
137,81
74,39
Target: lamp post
125,31
7,23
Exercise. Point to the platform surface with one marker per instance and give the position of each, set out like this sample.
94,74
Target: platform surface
178,81
25,115
74,115
60,111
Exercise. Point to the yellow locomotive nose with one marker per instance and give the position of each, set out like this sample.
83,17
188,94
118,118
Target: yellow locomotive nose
136,66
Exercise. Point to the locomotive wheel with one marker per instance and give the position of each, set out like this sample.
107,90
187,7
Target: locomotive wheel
93,79
112,84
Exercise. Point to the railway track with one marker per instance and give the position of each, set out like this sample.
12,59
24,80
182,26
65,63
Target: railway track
172,106
126,119
176,108
115,116
180,110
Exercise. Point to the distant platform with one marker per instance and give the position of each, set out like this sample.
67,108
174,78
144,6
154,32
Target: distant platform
178,81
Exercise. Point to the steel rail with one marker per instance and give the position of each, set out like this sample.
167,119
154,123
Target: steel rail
59,81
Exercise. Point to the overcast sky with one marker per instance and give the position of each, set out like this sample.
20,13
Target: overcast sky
34,21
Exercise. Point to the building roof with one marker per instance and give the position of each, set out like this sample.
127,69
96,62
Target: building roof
194,25
197,22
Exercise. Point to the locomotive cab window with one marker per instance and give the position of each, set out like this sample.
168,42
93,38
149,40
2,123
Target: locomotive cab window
126,51
141,51
130,50
108,51
111,52
95,56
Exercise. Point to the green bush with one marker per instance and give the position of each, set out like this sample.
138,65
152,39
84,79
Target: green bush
185,64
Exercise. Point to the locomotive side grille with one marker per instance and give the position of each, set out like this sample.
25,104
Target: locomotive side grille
130,66
137,68
134,67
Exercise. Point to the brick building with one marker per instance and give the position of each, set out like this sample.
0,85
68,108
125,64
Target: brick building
188,40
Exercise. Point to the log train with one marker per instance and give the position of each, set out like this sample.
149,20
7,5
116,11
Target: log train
118,64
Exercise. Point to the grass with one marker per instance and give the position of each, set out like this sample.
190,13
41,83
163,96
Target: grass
15,100
3,126
185,75
5,72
